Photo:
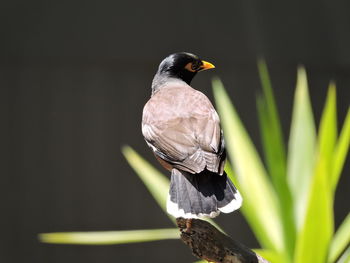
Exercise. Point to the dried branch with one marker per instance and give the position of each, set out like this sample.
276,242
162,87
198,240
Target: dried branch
208,243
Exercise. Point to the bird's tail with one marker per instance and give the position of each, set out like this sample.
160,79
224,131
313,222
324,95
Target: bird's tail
201,195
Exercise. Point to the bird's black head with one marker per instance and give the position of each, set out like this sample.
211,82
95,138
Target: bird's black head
183,65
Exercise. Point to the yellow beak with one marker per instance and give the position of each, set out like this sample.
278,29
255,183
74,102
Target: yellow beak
206,65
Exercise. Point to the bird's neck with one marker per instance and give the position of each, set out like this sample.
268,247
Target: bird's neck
162,80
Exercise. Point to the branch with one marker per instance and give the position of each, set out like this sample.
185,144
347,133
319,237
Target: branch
208,243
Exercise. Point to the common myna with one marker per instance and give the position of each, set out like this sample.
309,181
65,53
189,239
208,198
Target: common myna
183,129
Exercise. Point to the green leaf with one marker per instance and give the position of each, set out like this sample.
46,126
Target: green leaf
272,136
260,205
340,240
328,130
345,258
340,151
301,150
328,125
109,237
230,172
315,235
269,255
275,154
156,182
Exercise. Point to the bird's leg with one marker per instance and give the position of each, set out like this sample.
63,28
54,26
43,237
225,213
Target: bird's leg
188,225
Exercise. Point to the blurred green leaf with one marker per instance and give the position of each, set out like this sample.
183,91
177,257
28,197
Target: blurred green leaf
328,126
109,237
312,244
315,234
328,131
260,205
345,258
271,256
340,151
230,172
156,182
340,240
275,154
301,154
271,131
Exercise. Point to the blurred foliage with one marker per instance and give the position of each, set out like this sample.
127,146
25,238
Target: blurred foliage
288,195
109,237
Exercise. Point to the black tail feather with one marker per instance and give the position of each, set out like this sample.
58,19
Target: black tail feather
201,195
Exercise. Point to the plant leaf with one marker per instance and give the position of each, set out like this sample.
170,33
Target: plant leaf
269,255
312,244
272,136
109,237
340,151
328,125
345,258
230,173
280,182
328,130
260,205
315,235
301,150
340,240
156,182
275,154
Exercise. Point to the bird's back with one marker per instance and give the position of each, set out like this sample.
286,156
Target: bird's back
182,124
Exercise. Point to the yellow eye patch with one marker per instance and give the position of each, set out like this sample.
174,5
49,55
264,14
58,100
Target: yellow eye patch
195,67
192,67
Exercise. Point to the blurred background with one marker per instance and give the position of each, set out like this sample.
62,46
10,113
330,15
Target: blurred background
74,76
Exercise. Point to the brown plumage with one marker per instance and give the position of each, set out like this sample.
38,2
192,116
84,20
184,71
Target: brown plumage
184,128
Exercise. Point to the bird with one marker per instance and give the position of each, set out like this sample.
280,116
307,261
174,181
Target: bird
182,127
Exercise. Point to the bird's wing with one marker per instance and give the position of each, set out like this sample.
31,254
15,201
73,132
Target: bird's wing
182,127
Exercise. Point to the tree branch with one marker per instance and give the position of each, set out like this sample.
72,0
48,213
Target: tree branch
208,243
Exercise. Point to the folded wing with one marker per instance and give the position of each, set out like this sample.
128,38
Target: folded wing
182,127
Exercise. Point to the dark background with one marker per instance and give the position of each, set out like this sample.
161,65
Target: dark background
74,76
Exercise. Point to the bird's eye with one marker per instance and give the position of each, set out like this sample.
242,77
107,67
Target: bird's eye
193,66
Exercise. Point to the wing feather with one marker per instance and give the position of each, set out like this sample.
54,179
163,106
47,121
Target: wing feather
182,127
